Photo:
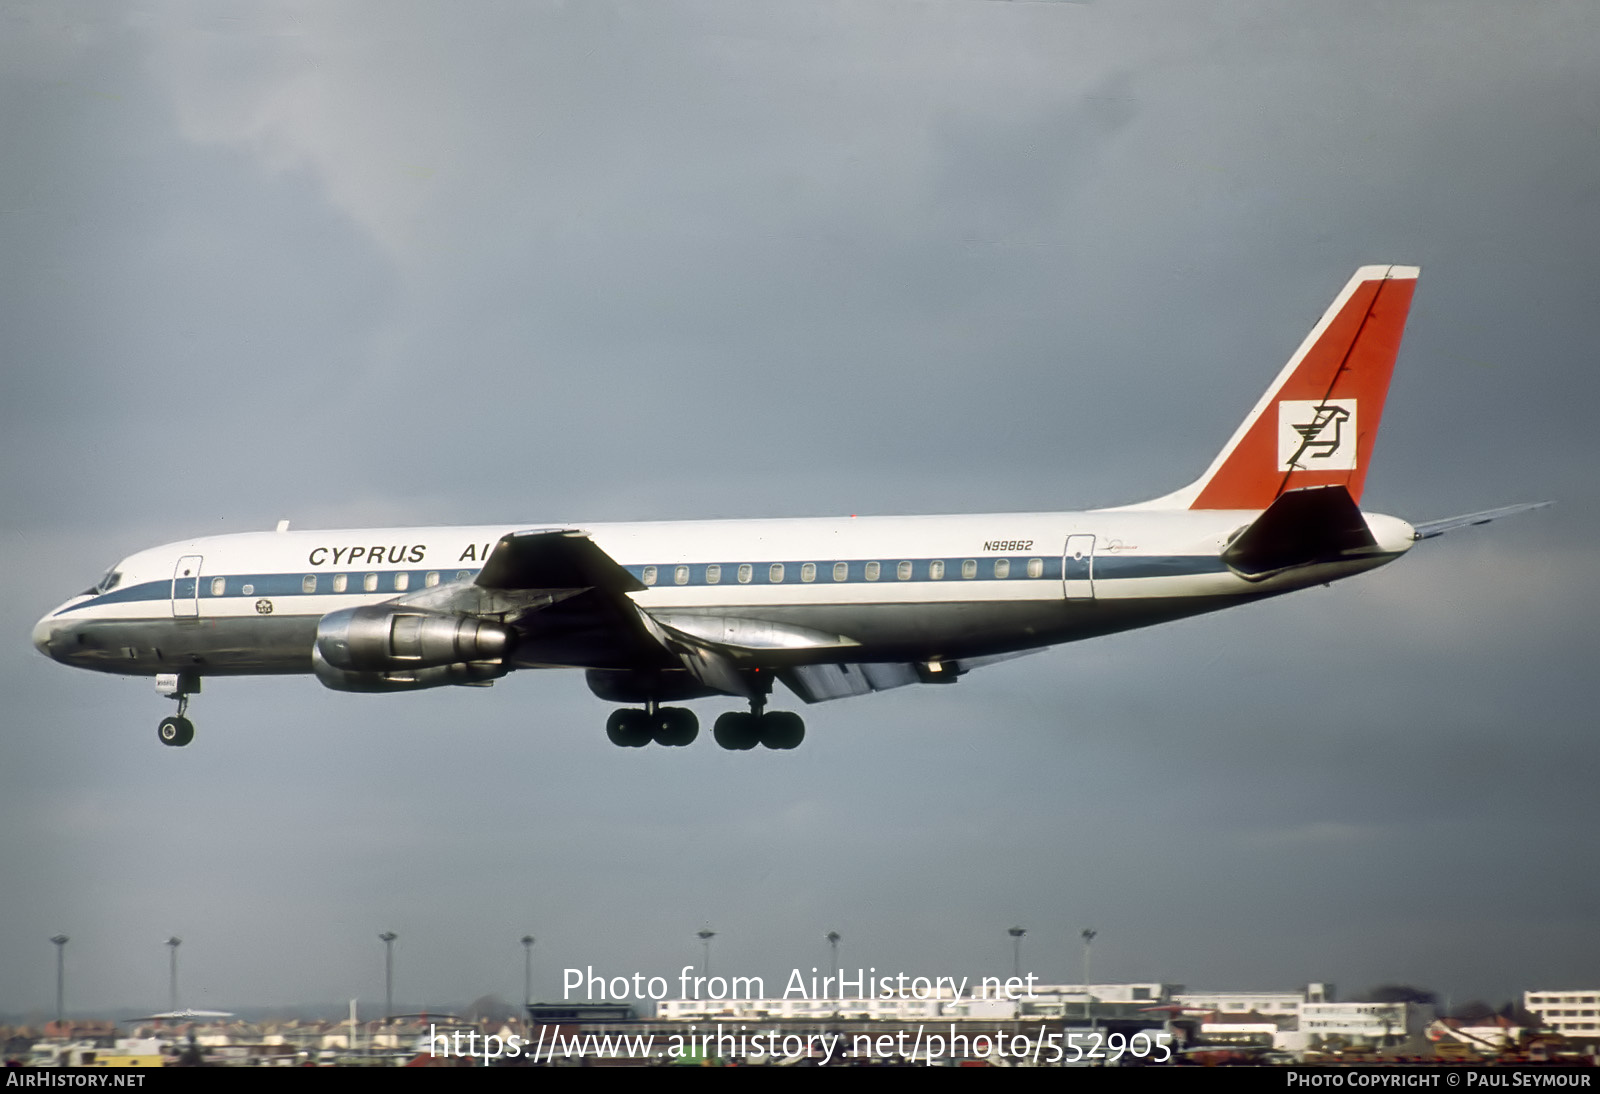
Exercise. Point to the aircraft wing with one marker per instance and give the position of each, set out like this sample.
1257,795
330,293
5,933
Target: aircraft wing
565,596
1431,528
559,558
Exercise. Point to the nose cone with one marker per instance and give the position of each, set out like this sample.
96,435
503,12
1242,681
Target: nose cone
42,631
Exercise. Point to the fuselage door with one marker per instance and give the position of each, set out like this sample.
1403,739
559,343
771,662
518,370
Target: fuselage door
186,588
1077,568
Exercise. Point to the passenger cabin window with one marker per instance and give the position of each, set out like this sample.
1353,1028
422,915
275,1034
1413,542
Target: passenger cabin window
432,579
341,582
462,575
248,590
841,571
744,573
1002,567
402,581
969,568
903,571
1036,567
775,573
680,576
370,583
873,570
713,574
808,572
308,584
649,575
936,569
219,585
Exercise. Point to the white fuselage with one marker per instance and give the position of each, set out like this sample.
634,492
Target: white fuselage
894,588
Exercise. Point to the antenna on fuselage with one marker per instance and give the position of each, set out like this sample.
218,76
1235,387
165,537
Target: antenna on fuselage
283,526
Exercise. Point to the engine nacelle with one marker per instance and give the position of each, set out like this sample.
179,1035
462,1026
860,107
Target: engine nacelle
382,638
474,673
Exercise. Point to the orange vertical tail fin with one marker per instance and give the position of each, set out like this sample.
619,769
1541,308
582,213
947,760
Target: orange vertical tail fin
1315,426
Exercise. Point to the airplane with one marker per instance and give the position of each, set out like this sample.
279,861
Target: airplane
664,613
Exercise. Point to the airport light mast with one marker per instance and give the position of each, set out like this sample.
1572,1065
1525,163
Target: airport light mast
388,938
172,944
1087,935
527,974
61,941
705,935
1016,934
833,944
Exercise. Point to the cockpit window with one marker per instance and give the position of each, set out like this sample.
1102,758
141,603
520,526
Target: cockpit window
112,579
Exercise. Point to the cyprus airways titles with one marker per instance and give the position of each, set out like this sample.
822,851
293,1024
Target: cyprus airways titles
667,612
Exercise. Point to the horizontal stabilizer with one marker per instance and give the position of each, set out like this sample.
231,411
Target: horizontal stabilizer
1431,528
1302,527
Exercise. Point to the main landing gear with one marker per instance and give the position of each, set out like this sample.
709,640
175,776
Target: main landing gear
634,728
780,729
631,727
177,731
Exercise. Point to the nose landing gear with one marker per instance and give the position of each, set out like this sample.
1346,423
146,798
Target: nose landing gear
177,731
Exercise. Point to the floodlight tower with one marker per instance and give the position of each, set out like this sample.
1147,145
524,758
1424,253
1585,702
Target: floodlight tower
388,937
61,941
1087,934
172,944
527,973
705,935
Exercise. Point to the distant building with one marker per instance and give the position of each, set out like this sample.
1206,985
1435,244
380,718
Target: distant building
1274,1004
1573,1014
1394,1026
975,1003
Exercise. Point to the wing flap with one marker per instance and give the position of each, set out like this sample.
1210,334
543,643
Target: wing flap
820,683
752,636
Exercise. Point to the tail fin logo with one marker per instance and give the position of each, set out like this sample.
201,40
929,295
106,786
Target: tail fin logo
1317,436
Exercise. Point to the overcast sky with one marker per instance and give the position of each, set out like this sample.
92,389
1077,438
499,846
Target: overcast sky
358,264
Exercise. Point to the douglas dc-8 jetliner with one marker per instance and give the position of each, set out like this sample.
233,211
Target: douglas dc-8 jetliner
667,612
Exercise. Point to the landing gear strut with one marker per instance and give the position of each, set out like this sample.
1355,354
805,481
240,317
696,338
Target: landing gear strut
177,731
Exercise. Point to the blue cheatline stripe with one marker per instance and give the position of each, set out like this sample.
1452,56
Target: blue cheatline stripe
1112,568
1106,567
856,571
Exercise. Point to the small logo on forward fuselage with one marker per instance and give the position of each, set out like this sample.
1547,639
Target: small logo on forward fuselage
1317,436
264,606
